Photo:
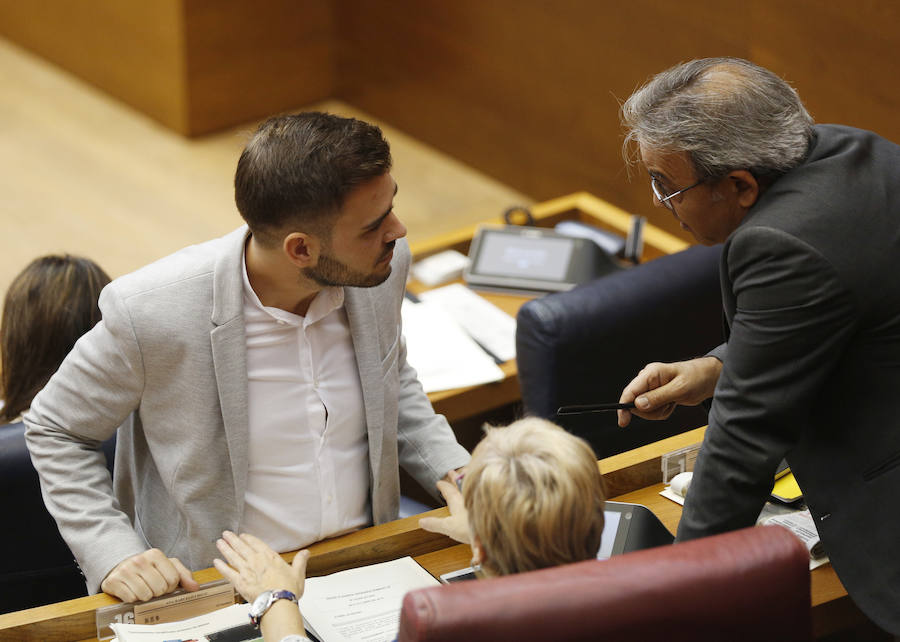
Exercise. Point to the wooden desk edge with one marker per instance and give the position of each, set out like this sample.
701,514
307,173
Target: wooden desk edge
642,467
629,472
623,473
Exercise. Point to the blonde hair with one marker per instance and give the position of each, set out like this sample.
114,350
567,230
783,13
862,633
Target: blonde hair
534,496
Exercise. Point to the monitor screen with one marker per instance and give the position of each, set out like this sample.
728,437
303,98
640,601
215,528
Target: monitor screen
608,538
520,256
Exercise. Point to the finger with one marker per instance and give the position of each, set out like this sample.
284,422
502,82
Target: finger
657,398
635,387
227,552
434,525
118,589
238,545
145,574
185,577
452,496
299,562
165,570
298,565
139,586
226,571
256,545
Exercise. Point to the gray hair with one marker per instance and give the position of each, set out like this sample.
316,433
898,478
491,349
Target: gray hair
726,113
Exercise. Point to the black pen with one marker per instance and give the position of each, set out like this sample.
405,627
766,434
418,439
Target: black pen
593,407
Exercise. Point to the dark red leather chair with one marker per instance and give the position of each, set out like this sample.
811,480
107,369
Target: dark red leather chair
748,585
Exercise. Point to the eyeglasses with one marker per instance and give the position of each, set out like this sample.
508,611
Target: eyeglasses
660,193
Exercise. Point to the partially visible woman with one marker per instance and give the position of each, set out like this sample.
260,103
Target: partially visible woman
532,497
48,306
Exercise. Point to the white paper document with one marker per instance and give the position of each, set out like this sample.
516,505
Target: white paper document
801,524
482,320
361,603
443,355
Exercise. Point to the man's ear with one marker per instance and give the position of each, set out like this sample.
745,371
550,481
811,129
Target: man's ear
301,249
746,187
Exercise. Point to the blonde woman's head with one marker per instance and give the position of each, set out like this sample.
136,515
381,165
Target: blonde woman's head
534,497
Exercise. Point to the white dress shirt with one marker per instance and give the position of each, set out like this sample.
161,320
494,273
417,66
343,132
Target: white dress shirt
309,452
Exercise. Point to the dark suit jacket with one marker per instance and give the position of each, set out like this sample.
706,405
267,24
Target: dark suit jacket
811,290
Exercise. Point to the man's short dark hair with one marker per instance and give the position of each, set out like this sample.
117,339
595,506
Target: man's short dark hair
298,169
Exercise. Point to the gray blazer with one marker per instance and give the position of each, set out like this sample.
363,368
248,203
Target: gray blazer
811,371
168,364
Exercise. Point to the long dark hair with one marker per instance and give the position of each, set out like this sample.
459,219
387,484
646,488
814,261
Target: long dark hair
48,306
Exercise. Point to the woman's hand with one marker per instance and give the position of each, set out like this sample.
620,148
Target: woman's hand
255,567
456,526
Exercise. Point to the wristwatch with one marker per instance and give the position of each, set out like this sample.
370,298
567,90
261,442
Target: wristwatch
265,600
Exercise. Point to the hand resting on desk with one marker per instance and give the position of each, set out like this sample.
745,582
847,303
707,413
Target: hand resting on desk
659,387
147,575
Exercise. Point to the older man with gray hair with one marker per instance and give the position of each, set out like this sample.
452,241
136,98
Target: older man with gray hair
810,272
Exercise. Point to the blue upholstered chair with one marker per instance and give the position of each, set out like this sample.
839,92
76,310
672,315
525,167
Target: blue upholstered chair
36,566
583,346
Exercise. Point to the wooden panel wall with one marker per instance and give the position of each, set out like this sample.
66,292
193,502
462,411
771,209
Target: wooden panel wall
526,91
196,66
529,91
132,50
247,60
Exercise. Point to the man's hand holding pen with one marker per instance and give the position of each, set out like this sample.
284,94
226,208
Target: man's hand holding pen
659,387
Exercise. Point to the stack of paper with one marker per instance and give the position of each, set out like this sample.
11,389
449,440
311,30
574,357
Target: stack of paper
443,355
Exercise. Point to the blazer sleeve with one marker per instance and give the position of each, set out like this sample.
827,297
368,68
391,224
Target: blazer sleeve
427,447
95,389
793,315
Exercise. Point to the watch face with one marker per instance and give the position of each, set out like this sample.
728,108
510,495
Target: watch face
260,603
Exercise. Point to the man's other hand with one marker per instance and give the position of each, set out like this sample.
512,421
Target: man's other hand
659,387
456,526
147,575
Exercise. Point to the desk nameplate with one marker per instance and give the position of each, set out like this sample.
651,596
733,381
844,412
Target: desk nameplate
170,608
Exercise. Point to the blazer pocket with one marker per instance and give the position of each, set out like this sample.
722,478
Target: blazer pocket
389,362
888,464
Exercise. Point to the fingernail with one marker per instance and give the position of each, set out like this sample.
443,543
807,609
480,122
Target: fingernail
642,402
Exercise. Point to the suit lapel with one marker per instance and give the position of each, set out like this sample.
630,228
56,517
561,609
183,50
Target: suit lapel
229,352
364,332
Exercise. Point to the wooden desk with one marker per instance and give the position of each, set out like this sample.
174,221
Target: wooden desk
633,476
463,403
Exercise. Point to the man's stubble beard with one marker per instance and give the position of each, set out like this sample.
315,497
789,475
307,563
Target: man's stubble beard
330,272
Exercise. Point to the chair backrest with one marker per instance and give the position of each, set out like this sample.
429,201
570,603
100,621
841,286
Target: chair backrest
585,345
36,566
748,585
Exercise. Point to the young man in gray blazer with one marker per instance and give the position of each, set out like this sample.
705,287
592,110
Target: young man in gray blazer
810,271
260,379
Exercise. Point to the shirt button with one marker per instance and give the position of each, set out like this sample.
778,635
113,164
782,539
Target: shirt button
282,322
